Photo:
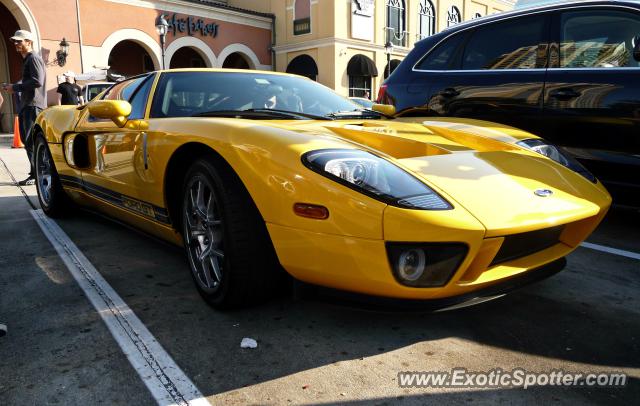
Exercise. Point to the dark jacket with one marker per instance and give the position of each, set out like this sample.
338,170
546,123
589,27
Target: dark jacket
32,89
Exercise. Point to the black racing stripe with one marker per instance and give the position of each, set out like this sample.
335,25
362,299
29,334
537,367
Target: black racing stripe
161,211
160,214
70,181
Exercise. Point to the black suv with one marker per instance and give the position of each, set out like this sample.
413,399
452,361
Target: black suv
569,73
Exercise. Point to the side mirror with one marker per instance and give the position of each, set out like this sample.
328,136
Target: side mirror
386,109
114,110
636,48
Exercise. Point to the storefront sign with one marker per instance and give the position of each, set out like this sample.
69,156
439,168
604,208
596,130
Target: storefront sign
363,7
362,19
302,26
192,25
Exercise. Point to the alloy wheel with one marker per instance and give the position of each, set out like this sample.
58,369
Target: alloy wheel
44,176
203,233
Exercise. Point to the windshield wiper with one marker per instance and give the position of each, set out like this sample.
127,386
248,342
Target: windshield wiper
291,113
222,113
379,114
358,113
259,113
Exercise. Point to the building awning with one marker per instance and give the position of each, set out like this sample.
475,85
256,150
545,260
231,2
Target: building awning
303,65
360,65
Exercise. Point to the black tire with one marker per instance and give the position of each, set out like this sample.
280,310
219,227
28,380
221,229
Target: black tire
240,266
53,200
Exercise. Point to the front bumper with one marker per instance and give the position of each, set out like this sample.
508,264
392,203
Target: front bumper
489,293
362,266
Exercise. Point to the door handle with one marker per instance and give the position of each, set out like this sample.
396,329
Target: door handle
145,157
449,92
564,94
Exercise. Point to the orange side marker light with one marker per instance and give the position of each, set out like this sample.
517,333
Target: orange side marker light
312,211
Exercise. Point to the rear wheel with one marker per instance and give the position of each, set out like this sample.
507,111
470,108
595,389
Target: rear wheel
231,257
52,198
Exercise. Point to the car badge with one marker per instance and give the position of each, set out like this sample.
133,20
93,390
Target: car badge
543,192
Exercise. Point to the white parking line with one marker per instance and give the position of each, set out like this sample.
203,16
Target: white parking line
162,376
609,250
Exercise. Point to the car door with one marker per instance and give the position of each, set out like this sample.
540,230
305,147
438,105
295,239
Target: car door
117,155
498,74
592,95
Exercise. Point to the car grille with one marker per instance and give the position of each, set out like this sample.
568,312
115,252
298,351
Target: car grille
520,245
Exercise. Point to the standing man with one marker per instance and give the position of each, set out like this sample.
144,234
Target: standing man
70,93
32,91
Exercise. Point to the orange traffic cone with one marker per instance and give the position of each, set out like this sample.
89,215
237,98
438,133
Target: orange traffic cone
17,143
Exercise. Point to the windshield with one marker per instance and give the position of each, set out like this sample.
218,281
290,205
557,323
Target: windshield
185,94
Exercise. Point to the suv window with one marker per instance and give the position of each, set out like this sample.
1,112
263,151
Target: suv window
94,89
440,58
598,39
514,44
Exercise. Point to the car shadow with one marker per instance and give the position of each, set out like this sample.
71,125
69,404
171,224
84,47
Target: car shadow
564,319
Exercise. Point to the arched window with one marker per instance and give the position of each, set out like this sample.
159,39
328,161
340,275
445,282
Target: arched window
303,65
477,15
453,16
301,17
427,16
396,22
391,66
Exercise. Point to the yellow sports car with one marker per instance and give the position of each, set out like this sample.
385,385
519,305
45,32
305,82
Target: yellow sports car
256,172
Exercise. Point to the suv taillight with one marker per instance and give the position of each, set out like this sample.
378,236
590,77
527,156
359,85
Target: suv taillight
382,94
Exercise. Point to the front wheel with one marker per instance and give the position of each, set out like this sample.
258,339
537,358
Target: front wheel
50,194
230,254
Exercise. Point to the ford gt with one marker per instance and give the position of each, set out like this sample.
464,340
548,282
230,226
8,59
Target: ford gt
264,174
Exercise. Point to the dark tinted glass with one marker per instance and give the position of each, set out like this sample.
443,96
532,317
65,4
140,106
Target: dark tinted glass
183,94
598,39
512,44
440,58
139,100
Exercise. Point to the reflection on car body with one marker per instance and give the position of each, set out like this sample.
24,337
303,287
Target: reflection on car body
566,72
317,188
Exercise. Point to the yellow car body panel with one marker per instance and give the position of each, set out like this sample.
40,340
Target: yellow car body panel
476,166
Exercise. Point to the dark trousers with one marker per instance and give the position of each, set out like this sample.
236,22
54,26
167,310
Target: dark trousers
27,117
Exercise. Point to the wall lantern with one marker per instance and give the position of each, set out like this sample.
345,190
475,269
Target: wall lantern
62,53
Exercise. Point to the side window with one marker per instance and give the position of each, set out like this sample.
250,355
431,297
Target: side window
514,44
123,90
598,39
139,100
440,58
120,91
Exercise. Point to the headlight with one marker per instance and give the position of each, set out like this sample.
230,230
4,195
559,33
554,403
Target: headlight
375,177
557,154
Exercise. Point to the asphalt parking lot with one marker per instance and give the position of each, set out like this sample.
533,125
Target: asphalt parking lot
59,351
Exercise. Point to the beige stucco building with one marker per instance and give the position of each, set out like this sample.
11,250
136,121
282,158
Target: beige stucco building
333,33
339,43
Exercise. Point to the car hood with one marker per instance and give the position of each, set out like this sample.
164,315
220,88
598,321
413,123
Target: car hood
477,165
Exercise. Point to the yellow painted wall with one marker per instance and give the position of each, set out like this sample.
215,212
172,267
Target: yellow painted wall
330,43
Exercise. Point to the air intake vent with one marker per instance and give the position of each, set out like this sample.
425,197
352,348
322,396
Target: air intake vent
520,245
